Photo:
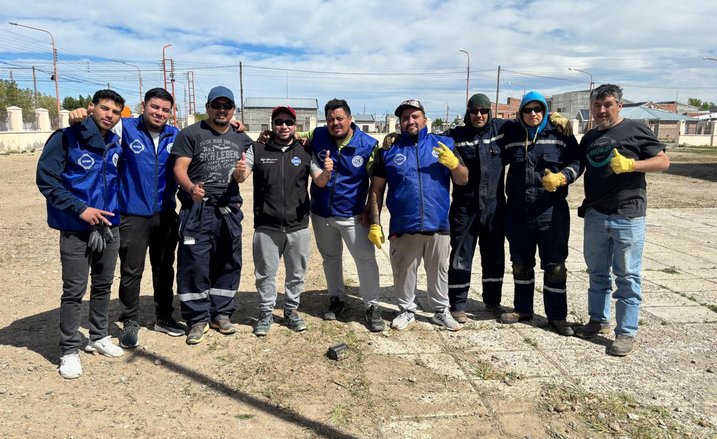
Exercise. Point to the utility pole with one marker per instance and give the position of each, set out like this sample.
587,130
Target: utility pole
174,96
241,90
497,93
164,64
34,84
190,91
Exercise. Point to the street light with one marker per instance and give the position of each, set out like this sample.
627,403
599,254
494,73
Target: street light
164,64
139,73
468,71
54,62
590,119
517,85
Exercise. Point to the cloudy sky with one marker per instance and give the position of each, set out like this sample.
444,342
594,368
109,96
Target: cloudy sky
372,53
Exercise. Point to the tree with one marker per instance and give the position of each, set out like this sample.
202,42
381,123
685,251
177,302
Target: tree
701,105
12,96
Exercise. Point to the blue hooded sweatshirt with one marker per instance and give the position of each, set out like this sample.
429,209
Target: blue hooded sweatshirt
534,96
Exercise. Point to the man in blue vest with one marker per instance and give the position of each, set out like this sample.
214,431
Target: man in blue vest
338,210
147,206
77,174
418,170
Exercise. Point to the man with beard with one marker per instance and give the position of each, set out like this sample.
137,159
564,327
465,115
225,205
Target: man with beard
281,168
209,260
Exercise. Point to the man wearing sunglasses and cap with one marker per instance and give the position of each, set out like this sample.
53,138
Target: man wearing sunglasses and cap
542,164
281,168
209,260
418,170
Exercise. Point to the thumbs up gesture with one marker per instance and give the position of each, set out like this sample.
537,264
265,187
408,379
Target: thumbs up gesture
240,170
328,163
620,163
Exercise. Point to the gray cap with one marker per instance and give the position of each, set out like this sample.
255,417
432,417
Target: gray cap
409,103
220,92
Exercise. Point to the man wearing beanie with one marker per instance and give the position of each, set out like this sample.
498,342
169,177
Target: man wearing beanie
477,212
542,163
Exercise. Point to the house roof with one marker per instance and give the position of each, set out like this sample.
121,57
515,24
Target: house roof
295,103
643,113
369,118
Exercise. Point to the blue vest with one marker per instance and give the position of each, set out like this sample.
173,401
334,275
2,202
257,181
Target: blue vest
147,184
418,185
345,193
90,175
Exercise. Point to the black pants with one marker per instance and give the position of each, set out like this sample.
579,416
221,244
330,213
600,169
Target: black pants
77,263
159,234
467,230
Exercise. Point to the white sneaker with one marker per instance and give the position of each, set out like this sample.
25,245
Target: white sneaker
105,347
445,319
403,321
70,366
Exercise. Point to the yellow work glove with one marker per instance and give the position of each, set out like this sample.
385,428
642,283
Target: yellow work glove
561,123
375,235
446,156
551,181
620,163
389,140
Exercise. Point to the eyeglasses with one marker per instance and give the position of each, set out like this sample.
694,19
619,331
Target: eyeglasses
221,106
479,110
528,110
287,122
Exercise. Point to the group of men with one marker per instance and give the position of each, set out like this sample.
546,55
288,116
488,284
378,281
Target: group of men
111,190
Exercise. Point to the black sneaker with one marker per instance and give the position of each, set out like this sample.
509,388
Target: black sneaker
374,320
130,334
293,320
336,307
170,327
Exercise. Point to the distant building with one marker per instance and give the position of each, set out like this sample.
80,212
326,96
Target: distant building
665,124
257,112
570,104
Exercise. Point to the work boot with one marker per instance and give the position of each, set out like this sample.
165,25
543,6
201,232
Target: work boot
497,310
222,324
562,327
460,316
592,329
509,318
196,334
622,345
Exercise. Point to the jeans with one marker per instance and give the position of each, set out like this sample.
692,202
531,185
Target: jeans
614,242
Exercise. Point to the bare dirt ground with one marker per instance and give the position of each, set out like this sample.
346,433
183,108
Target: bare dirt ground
241,386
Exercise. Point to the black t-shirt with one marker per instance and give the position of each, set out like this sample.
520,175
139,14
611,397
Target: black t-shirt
214,157
610,193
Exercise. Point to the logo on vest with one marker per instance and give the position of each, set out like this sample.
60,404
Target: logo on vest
115,159
434,153
296,161
357,161
86,161
136,146
399,159
169,147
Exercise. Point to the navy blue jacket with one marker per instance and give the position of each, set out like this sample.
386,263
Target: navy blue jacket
418,196
147,184
77,170
481,153
345,193
530,155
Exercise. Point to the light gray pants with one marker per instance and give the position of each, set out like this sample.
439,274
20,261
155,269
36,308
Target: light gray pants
268,247
329,234
406,254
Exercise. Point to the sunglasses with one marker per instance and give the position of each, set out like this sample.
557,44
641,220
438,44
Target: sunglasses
221,106
287,122
479,110
528,110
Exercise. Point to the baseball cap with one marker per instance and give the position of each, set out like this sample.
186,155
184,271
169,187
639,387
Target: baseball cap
220,92
409,103
285,108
